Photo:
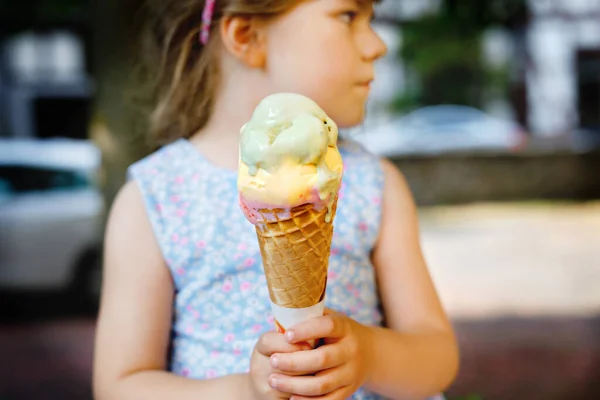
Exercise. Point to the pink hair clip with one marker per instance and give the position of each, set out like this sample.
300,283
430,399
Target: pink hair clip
207,16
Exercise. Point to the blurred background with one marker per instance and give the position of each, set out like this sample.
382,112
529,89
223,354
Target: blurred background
490,108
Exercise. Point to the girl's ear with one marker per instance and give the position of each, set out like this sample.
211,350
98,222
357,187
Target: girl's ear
245,38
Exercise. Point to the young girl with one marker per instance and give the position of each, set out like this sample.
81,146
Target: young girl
185,306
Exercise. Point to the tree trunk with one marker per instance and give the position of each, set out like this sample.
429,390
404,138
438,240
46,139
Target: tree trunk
117,127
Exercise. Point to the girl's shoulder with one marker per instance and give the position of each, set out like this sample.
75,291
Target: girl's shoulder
360,198
361,166
163,161
355,150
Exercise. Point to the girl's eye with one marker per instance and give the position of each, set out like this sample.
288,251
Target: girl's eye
348,17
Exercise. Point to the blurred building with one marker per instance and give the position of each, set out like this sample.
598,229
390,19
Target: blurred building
47,91
552,54
45,86
563,74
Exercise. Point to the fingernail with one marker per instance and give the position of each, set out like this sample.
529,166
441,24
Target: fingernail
274,361
289,335
273,382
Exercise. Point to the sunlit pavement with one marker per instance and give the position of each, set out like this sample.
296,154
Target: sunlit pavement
540,262
517,259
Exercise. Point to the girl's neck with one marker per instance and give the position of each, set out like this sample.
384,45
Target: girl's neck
220,152
218,141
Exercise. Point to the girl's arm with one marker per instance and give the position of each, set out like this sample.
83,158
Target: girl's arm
134,323
418,355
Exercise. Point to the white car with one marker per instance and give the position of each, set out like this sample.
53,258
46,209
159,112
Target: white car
51,215
443,129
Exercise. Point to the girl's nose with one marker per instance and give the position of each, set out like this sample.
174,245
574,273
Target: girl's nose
373,47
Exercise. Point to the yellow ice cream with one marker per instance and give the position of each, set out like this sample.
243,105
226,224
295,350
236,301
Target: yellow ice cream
288,153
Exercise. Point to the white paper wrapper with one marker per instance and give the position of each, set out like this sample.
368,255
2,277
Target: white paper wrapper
285,318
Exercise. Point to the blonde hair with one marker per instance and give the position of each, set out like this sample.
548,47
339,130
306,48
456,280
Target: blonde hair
182,72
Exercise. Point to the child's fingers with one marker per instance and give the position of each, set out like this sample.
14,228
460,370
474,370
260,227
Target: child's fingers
325,357
323,383
339,394
273,342
327,326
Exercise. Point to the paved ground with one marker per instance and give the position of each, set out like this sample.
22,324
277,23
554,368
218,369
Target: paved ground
515,259
502,359
539,262
47,360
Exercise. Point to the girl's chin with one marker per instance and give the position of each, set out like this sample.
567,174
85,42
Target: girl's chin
351,120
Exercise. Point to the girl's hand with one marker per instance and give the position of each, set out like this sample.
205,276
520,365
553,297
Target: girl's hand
260,369
343,362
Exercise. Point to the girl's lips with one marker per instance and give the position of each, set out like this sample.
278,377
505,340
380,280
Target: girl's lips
366,83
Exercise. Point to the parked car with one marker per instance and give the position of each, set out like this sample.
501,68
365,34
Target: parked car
443,129
51,215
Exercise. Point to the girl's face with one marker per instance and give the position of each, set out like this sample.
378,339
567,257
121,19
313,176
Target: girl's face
325,49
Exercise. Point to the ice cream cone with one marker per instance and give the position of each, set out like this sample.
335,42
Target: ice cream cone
295,249
289,176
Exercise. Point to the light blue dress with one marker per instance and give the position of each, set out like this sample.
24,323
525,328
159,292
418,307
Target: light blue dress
221,303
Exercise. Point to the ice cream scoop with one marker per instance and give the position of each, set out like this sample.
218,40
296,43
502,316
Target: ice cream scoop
289,155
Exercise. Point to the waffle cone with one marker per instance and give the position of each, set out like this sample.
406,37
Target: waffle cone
295,250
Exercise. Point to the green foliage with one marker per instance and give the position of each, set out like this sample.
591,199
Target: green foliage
443,50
